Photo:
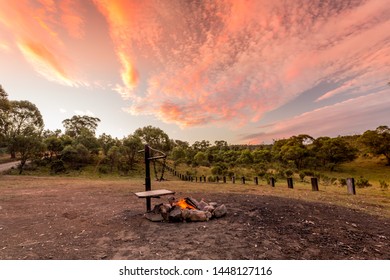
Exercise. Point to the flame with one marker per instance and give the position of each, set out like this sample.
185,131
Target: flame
183,204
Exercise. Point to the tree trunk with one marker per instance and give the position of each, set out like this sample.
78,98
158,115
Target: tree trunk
22,163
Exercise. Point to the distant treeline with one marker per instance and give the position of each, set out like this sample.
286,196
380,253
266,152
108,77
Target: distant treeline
23,136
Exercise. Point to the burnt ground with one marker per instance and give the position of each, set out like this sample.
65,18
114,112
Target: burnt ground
73,219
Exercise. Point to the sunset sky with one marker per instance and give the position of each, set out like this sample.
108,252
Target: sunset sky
240,71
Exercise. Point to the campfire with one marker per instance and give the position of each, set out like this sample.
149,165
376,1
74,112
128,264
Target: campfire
186,210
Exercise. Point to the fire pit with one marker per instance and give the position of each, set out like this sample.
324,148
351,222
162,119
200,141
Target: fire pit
186,210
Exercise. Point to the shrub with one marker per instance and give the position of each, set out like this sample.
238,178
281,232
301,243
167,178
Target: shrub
384,186
302,175
104,169
343,182
289,172
211,179
308,173
362,182
281,173
326,180
57,166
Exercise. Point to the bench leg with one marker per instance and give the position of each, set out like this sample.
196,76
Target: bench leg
148,204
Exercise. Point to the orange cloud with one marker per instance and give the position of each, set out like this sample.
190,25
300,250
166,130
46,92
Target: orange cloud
71,19
44,62
36,30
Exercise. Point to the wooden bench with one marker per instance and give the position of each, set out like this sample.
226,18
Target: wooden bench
152,194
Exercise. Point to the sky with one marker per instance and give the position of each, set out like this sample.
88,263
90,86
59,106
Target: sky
247,72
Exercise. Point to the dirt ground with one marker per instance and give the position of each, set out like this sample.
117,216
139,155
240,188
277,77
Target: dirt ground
91,219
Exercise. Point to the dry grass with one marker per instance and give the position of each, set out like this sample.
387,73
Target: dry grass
370,200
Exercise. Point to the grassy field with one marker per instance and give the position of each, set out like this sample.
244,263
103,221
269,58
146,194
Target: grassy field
373,199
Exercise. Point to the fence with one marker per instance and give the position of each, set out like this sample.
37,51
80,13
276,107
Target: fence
272,181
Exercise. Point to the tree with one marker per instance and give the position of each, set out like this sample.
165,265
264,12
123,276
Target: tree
23,119
106,142
201,146
89,141
75,155
54,146
378,141
130,146
28,147
333,151
201,158
294,149
178,154
154,137
113,156
76,125
4,108
246,157
261,156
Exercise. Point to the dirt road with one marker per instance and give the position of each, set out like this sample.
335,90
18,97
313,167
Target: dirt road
8,165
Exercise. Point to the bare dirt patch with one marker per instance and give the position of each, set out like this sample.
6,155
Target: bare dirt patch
59,218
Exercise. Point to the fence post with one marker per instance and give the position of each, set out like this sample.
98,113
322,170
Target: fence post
351,186
272,181
256,180
290,183
233,179
243,179
224,179
314,184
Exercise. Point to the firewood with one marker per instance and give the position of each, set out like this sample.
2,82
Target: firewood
193,202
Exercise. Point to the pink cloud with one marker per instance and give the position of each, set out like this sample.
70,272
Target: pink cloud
232,60
196,63
352,116
71,18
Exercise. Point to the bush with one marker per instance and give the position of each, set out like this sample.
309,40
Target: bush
57,166
302,175
343,182
104,170
211,179
362,182
384,186
308,173
289,172
281,173
326,180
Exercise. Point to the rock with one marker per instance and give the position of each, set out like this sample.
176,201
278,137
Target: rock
214,204
164,210
154,217
175,215
202,204
185,213
198,216
220,211
209,208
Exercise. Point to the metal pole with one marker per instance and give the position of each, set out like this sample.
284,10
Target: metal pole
148,185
